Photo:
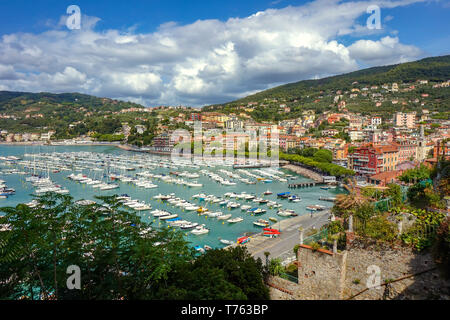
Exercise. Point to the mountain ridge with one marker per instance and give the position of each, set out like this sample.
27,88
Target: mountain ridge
437,72
352,88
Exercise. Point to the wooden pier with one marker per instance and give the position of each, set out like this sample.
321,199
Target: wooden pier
330,199
304,185
250,166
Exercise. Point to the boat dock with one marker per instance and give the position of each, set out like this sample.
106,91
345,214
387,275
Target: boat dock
250,166
304,185
330,199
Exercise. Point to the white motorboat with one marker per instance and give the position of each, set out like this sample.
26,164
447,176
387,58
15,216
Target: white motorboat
285,213
199,230
161,213
235,220
261,223
224,217
189,225
167,217
143,207
214,214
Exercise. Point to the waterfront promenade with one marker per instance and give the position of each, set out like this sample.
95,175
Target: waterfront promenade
283,245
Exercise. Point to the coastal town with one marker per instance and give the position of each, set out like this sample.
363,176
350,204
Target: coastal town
225,159
378,148
317,192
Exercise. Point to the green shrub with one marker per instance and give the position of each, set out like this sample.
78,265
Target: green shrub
275,267
421,235
296,249
380,228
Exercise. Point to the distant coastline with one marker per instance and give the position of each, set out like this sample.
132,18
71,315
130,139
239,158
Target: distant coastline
58,143
125,147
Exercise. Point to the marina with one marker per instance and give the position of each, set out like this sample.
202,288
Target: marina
214,205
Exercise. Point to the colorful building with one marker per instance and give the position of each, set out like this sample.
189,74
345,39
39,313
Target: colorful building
370,159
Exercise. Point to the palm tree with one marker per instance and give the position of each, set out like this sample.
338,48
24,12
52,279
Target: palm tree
267,254
353,199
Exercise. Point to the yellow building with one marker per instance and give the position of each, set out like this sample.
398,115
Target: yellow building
217,117
390,156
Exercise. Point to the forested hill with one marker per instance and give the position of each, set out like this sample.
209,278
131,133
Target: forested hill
69,114
433,69
319,94
44,101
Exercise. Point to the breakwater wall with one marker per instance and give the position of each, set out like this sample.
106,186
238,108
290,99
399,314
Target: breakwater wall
304,172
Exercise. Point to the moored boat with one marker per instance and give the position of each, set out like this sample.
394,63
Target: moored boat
199,230
261,223
235,220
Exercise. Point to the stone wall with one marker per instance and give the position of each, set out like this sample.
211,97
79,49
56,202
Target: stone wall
282,289
394,262
324,275
320,274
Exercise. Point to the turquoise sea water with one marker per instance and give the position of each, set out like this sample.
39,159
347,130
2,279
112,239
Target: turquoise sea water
218,229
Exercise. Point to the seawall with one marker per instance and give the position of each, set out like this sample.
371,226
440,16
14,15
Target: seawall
304,172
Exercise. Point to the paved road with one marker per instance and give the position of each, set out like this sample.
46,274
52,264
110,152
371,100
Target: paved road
290,236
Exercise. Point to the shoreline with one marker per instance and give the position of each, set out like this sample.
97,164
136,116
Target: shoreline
304,172
259,241
289,233
3,143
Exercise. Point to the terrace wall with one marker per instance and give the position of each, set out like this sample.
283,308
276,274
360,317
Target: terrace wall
326,276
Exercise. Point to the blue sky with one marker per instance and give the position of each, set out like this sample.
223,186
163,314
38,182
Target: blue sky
201,52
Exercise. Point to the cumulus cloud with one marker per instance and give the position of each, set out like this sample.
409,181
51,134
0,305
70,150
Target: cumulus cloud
387,50
208,61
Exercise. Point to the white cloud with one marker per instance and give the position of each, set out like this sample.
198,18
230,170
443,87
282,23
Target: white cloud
208,61
387,50
8,73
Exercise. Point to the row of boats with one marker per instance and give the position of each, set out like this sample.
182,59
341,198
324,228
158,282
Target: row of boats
45,184
99,184
104,172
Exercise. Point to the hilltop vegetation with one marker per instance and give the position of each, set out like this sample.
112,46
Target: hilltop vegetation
69,114
319,94
368,91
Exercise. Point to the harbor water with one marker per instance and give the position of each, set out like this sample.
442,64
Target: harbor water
219,229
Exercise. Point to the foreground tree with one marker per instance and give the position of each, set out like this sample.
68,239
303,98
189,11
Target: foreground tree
119,256
349,202
218,275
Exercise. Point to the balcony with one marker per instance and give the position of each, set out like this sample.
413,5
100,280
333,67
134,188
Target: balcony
361,159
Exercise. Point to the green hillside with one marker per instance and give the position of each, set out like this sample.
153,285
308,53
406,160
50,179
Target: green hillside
40,112
319,94
21,101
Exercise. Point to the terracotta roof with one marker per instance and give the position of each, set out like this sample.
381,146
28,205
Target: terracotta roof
387,175
386,148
